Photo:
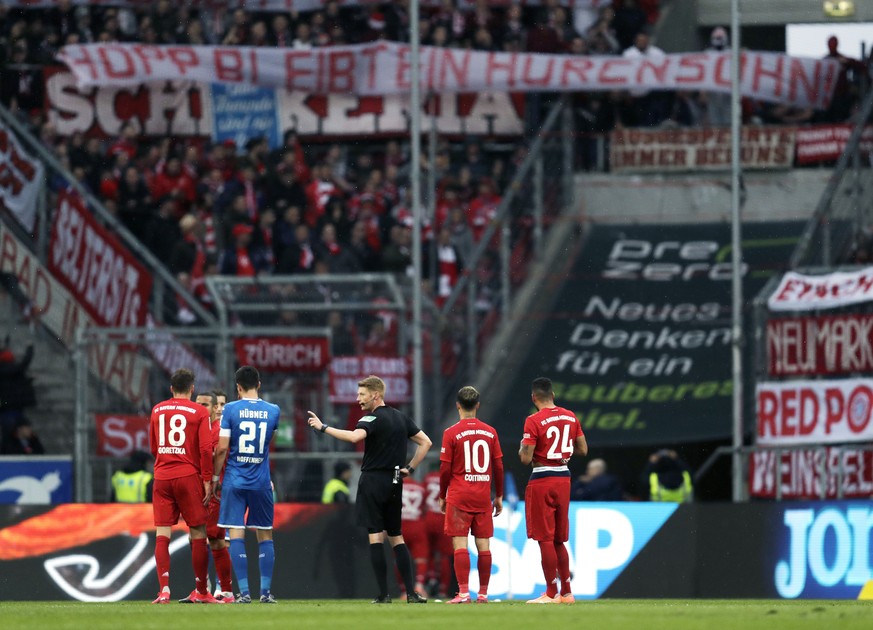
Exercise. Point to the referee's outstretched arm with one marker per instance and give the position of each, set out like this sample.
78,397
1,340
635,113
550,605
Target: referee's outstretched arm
354,437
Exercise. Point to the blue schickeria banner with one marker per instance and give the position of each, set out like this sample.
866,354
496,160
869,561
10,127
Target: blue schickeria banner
36,480
241,113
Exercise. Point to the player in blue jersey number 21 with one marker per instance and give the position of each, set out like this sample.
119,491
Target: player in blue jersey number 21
247,428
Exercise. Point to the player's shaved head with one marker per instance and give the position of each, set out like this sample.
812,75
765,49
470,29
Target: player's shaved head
541,388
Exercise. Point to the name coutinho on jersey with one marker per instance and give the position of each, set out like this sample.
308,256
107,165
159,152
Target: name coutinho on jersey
472,477
252,413
172,450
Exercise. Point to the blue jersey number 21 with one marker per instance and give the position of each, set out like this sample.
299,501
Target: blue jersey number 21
250,432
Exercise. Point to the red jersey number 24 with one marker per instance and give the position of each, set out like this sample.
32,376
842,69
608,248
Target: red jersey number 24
561,447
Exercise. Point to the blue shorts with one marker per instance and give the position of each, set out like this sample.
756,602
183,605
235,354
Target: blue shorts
235,501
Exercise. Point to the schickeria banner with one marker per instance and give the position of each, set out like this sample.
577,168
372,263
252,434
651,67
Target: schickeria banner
638,343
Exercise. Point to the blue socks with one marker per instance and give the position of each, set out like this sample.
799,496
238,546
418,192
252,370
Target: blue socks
240,563
266,559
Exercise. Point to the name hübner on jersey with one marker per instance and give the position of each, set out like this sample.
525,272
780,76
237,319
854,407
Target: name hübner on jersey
172,450
244,459
253,413
472,477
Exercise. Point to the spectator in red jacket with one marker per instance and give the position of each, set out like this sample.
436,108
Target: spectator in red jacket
483,208
175,183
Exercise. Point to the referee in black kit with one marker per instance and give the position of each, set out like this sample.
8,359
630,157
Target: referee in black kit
380,488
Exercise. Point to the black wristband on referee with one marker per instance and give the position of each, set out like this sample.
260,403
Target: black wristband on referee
410,468
324,428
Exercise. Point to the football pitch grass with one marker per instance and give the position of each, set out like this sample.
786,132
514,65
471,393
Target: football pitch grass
607,614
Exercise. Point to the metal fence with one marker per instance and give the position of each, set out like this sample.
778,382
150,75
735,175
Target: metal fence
845,209
148,356
167,292
540,189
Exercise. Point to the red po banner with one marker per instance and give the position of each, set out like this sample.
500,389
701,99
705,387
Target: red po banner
109,282
384,68
284,354
811,474
345,372
814,412
807,346
119,435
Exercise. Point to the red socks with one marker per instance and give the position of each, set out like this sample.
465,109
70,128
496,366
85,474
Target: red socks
550,567
200,560
162,562
462,570
484,571
222,568
563,567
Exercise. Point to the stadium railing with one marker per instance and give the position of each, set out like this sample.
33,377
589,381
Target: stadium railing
59,178
844,208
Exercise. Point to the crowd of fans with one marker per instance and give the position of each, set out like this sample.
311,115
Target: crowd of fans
217,208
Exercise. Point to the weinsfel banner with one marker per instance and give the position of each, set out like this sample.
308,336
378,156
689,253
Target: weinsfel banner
809,474
705,149
111,284
384,68
284,354
825,143
20,179
808,346
799,292
814,412
345,372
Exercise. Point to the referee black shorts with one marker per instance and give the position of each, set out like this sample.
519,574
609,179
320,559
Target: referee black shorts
379,502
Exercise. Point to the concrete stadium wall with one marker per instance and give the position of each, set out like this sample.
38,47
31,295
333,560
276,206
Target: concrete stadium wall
772,196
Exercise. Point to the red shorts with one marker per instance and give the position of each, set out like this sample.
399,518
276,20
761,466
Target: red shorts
213,531
415,537
460,523
183,495
547,508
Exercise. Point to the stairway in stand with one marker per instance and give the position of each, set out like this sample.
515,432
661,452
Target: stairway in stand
52,373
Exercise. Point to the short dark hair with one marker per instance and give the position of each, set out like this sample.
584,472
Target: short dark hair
219,392
247,377
468,398
541,387
182,381
207,393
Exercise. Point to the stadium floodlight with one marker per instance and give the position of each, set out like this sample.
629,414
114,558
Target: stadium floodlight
838,8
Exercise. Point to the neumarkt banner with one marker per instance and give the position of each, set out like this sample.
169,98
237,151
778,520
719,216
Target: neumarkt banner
638,343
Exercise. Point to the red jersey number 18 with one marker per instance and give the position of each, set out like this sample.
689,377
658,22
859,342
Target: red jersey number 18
561,447
176,435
